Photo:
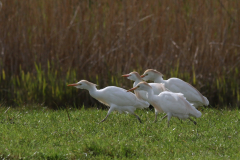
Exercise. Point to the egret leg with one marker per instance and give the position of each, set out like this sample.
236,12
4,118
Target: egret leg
137,117
193,121
109,111
131,111
179,119
104,119
155,120
156,113
169,117
164,117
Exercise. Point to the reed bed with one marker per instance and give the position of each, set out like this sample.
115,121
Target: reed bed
46,44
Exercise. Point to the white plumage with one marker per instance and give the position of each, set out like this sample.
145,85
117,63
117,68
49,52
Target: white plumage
118,99
157,88
178,86
174,104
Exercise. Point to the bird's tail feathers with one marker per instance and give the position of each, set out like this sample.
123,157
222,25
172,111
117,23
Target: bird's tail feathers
206,101
197,114
193,111
142,104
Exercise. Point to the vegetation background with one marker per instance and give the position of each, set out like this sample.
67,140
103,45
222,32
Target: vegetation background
47,44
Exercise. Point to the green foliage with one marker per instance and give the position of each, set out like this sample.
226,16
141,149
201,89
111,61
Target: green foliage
42,87
34,132
49,87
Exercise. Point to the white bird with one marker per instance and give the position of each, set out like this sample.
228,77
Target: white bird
157,88
174,104
178,86
118,99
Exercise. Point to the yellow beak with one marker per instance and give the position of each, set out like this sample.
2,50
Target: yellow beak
132,89
125,75
72,84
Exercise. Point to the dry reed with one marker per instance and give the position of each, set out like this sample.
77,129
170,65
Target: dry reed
114,37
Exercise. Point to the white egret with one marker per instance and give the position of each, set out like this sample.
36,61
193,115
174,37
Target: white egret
157,88
118,99
178,86
174,104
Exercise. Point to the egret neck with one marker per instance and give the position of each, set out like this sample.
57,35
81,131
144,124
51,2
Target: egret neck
159,79
150,94
137,81
93,91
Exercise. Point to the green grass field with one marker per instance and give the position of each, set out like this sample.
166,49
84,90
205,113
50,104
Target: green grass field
40,133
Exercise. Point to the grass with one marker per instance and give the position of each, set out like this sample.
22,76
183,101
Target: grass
35,132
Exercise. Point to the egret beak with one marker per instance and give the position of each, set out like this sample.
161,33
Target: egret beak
72,84
132,89
125,75
142,76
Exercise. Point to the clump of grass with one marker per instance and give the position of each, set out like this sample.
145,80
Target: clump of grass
35,132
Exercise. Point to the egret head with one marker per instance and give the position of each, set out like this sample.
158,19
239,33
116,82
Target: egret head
151,74
134,76
83,84
144,86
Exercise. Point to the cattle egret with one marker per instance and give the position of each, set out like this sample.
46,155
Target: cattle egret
118,99
174,104
178,86
157,88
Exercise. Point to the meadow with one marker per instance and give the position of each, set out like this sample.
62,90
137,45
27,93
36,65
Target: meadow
36,132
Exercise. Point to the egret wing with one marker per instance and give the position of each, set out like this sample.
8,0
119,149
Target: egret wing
174,103
157,87
118,96
179,86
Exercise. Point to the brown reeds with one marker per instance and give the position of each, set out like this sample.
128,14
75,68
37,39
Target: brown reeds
113,37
